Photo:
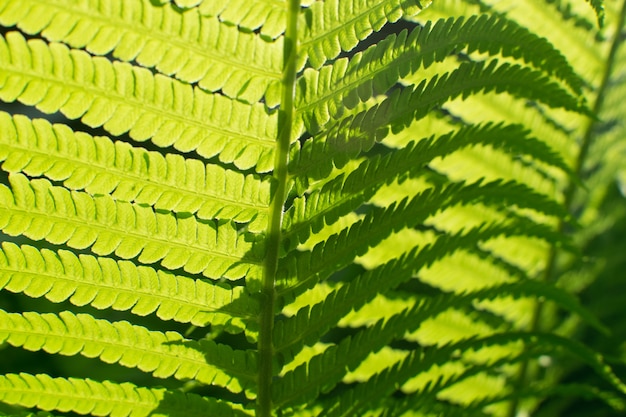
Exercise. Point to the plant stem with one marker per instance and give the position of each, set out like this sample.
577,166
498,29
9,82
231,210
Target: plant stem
274,232
570,192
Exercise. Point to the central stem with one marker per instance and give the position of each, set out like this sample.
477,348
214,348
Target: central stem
274,231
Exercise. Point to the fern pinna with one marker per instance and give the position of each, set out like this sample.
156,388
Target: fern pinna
304,208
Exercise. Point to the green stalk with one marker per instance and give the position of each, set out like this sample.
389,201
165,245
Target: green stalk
274,232
570,192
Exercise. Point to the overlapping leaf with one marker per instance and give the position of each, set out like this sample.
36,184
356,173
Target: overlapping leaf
122,285
162,354
127,99
325,34
86,396
100,166
192,47
326,93
267,16
38,210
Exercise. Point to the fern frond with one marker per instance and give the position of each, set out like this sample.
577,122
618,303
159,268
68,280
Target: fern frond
325,33
475,77
99,166
183,4
162,354
354,133
326,93
193,48
339,249
582,391
38,210
428,406
16,413
311,322
344,194
575,35
121,285
267,17
598,6
122,98
314,158
504,108
324,370
360,395
345,218
86,396
293,332
603,146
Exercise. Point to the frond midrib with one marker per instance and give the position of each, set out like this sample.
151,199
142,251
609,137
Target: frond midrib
274,234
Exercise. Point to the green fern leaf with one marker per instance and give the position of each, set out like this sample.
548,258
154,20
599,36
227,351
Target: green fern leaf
40,211
180,116
105,283
420,361
326,93
196,57
311,208
325,35
267,17
341,195
598,6
162,354
13,413
337,250
99,166
105,398
521,82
